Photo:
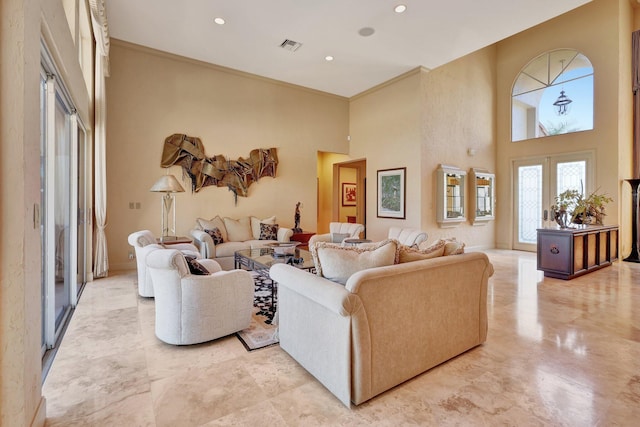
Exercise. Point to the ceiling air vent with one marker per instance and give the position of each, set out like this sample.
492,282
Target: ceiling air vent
290,45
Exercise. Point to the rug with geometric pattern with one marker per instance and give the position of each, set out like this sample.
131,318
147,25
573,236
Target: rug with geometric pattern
262,332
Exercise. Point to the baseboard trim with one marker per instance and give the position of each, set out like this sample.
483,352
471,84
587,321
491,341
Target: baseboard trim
40,416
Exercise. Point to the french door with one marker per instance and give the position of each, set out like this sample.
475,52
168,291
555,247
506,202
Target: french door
537,181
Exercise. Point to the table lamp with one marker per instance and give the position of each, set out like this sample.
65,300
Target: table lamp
168,184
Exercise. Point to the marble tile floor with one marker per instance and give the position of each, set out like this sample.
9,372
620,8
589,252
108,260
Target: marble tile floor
559,353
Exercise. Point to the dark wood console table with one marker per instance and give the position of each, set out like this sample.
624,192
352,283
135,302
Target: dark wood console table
302,237
565,253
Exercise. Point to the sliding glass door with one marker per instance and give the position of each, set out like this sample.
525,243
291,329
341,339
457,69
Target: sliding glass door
63,204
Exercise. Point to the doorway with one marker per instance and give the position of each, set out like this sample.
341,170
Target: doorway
349,192
537,181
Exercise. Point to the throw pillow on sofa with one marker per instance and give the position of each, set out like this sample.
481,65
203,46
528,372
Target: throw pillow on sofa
255,225
338,263
238,230
409,254
450,246
210,224
195,267
339,237
216,235
453,247
268,231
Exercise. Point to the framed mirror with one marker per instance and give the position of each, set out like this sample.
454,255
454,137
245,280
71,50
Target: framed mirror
451,182
481,196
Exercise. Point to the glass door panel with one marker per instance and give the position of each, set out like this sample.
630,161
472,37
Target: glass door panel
61,213
537,182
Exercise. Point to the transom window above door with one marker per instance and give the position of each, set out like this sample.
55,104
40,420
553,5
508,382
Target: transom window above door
552,95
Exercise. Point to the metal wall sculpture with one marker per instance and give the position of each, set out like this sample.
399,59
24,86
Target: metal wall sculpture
237,175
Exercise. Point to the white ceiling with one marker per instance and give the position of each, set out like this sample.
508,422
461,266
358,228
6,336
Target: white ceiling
429,34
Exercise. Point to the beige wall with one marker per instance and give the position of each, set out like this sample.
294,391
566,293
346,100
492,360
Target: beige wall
600,30
23,23
153,95
385,130
418,121
458,114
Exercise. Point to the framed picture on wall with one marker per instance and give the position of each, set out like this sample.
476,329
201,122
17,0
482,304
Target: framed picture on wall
348,194
392,193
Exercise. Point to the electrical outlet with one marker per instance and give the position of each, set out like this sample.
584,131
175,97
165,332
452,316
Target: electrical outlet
131,205
132,255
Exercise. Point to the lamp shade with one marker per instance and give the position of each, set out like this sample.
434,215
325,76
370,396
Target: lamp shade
167,184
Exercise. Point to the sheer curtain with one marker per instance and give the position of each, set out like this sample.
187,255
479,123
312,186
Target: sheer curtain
101,34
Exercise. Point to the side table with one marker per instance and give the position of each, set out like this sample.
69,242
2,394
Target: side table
303,238
173,240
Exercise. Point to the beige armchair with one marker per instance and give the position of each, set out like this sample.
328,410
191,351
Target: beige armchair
338,231
192,309
144,243
407,236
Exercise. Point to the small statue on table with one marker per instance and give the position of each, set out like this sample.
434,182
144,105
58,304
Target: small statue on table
296,227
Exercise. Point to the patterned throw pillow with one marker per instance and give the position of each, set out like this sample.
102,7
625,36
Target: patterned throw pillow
210,224
195,267
268,231
216,235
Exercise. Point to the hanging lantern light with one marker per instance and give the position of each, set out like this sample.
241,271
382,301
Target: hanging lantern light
563,101
562,104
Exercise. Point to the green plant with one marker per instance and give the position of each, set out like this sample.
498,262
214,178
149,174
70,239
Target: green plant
583,210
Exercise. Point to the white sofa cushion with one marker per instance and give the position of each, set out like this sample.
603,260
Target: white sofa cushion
210,224
228,249
238,230
255,225
338,263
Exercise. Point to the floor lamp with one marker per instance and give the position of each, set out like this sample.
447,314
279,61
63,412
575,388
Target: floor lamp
168,184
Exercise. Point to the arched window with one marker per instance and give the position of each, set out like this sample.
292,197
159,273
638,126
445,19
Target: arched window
552,95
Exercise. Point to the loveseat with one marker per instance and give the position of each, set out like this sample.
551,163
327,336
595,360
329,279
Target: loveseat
219,238
386,324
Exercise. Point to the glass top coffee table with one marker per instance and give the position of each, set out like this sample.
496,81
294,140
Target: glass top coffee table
260,260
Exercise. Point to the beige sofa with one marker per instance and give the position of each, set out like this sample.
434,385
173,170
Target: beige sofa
237,234
386,325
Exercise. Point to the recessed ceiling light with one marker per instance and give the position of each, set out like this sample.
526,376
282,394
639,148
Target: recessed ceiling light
366,31
219,21
328,58
400,8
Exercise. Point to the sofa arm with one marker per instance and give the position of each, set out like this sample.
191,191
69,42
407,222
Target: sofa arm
319,238
211,265
183,247
315,326
330,295
204,243
284,234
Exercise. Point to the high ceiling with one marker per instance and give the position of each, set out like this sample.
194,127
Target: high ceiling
429,33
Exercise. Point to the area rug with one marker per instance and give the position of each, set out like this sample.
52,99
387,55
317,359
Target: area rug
262,332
